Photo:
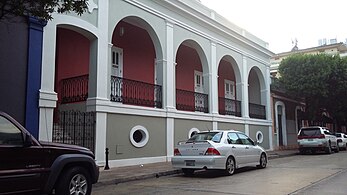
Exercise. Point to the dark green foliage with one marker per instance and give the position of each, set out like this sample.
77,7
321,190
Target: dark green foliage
41,9
320,79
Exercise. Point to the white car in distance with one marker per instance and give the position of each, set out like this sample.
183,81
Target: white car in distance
341,140
218,149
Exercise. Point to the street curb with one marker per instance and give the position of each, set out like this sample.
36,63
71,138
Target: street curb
274,156
138,177
163,173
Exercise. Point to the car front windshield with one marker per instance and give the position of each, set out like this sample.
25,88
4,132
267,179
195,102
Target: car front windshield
213,136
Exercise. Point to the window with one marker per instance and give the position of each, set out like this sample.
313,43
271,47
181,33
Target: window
260,137
233,138
229,89
213,136
245,139
9,133
198,82
192,132
310,132
139,136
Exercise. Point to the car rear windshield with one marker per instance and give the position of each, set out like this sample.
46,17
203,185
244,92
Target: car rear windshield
310,132
213,136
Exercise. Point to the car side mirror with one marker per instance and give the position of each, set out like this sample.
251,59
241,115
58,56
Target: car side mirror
256,142
28,140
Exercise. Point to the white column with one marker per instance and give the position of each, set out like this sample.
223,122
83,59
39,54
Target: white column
169,84
213,77
267,93
247,129
244,103
100,137
102,80
270,138
214,125
103,52
170,126
268,104
47,96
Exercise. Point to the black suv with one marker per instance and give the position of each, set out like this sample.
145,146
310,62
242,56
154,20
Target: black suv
30,166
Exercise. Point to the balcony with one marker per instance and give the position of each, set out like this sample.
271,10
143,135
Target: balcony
73,89
257,111
229,107
191,101
134,92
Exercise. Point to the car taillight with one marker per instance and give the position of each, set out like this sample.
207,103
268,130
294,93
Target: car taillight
321,136
300,137
212,151
177,152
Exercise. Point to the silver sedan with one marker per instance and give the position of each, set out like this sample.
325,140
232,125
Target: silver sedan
219,149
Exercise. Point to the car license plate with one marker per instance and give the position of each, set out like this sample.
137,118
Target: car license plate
190,162
310,139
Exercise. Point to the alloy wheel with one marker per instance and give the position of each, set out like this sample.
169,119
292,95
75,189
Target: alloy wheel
78,185
230,166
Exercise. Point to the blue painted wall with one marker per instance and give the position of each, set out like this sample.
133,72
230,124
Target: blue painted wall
34,75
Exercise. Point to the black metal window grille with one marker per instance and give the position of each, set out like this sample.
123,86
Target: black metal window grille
191,101
135,92
257,111
75,127
74,89
229,107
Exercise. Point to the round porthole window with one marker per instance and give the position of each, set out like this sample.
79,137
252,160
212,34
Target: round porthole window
192,132
260,137
139,136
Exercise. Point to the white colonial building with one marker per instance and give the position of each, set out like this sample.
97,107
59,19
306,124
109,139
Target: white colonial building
151,73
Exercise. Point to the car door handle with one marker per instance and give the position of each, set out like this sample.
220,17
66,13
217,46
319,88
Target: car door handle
247,147
233,147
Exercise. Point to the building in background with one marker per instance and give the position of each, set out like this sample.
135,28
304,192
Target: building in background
288,113
332,49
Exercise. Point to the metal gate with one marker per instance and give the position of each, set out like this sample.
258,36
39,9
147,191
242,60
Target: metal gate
75,127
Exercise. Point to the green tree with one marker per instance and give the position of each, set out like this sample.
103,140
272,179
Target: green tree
320,79
41,9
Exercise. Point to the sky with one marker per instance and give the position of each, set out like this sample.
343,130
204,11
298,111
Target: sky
279,22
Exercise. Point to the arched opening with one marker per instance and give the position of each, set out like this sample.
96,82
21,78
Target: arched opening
281,125
73,46
228,92
134,52
256,94
192,81
73,66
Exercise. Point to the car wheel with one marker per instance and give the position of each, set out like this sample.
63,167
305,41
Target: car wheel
188,172
302,151
262,161
337,150
75,180
230,166
328,149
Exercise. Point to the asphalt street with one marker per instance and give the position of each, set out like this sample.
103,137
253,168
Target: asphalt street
299,174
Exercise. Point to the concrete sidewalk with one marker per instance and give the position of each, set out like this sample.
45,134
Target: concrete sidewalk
132,173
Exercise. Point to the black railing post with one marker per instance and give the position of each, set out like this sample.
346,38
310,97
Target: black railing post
106,165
